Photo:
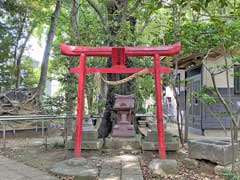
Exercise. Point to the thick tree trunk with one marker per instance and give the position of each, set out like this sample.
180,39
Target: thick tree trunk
19,57
47,50
116,15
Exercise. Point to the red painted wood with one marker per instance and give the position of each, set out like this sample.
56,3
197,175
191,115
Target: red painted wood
80,106
118,56
117,67
116,70
158,95
129,51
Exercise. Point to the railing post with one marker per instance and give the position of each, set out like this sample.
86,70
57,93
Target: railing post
42,128
4,135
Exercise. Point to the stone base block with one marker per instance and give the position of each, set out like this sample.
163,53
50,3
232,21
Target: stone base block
122,143
153,146
79,168
91,145
219,152
152,135
163,167
153,126
123,130
88,134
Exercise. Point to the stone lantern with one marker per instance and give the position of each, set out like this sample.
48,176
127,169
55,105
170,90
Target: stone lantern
124,106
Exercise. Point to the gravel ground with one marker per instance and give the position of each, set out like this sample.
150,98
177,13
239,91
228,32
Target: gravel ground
33,153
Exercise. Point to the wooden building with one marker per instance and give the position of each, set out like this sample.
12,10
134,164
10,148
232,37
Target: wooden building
191,69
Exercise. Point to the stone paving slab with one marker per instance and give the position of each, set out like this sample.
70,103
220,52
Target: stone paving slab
125,167
13,170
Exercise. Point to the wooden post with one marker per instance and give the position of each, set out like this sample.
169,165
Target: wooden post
4,135
46,134
187,114
42,128
36,128
14,131
66,136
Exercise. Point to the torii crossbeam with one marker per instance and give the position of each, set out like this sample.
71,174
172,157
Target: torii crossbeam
119,55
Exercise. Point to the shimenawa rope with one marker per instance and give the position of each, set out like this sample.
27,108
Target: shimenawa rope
122,81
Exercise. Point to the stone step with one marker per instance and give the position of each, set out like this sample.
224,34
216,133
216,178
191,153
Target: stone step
125,167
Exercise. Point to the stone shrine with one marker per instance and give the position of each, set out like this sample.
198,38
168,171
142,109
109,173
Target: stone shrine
124,106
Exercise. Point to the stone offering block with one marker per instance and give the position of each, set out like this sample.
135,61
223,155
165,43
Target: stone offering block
219,152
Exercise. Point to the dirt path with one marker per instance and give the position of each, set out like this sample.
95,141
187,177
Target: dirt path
10,169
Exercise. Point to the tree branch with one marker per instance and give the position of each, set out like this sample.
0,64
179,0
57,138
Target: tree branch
219,16
222,100
97,9
211,112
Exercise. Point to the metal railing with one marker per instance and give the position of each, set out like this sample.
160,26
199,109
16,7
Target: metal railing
5,119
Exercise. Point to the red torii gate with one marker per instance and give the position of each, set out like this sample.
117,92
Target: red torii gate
118,55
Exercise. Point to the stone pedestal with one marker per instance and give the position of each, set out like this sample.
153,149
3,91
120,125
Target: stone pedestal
150,141
219,152
123,106
89,137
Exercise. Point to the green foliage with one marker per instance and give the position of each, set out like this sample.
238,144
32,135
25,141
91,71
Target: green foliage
196,37
16,19
228,175
144,89
29,74
206,95
53,105
236,60
202,26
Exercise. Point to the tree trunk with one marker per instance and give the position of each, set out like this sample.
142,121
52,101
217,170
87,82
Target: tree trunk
44,68
116,15
19,57
19,35
186,124
176,26
71,86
